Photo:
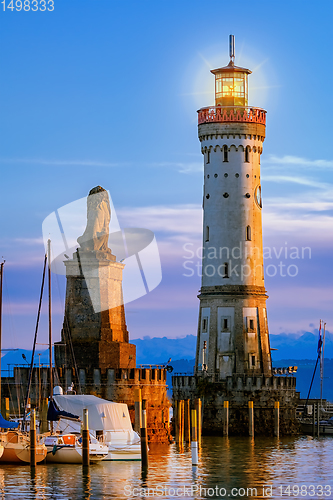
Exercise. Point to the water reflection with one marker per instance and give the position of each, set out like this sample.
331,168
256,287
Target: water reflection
224,463
86,483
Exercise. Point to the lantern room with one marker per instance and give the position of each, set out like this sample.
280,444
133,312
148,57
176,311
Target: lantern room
231,88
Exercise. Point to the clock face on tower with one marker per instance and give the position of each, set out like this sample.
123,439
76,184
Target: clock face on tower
257,196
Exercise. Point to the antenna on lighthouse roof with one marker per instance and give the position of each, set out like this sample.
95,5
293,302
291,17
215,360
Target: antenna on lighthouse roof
232,47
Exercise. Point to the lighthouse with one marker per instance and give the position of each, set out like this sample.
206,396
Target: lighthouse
233,367
232,327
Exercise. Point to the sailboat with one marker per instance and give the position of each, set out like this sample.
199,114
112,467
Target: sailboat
323,426
109,423
65,448
15,444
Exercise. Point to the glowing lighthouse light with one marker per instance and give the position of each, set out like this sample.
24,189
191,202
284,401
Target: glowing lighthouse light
231,88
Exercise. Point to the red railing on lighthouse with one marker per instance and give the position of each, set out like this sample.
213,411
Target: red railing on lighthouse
231,114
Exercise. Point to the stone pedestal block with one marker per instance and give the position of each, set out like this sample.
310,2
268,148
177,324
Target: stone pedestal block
94,322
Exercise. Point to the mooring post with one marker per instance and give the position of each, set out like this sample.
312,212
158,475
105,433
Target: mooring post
85,439
178,422
194,442
43,424
318,419
225,418
251,419
198,407
182,422
313,419
6,413
187,421
138,410
277,418
33,438
144,436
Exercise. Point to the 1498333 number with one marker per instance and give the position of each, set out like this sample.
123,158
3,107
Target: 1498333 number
27,5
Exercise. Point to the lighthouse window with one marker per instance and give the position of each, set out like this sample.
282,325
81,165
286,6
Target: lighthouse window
208,156
248,233
204,325
253,360
226,270
225,323
215,175
251,324
247,154
207,233
225,175
237,175
207,196
225,153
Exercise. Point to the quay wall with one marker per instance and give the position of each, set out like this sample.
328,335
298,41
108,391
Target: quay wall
239,390
115,385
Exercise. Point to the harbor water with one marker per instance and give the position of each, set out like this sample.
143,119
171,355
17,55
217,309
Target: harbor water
235,467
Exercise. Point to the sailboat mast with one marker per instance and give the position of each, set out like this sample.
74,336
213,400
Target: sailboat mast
322,367
50,321
1,277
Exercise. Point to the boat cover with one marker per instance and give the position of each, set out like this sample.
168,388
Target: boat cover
102,414
54,414
5,424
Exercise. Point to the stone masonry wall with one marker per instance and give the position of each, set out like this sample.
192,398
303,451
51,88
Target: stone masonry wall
239,390
113,384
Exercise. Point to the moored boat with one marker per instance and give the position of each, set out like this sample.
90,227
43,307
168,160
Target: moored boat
67,448
16,447
109,423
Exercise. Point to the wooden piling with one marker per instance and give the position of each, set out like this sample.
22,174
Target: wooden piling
194,438
198,408
225,418
175,420
182,422
144,436
187,421
251,419
43,424
138,410
6,413
33,438
277,418
179,422
85,439
318,419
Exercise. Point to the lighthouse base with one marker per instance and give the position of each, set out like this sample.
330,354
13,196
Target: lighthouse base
238,390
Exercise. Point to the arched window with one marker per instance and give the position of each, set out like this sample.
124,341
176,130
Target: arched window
248,233
225,153
247,154
226,270
207,233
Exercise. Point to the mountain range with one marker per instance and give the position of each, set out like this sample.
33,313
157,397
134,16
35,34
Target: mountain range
292,349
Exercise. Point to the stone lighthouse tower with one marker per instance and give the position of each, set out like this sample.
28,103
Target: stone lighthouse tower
233,368
232,330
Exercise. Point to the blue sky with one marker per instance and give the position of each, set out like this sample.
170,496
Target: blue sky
106,92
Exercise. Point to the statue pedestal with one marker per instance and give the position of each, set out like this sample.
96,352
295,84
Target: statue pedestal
94,314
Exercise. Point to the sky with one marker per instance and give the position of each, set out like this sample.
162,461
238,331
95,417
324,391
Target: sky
106,93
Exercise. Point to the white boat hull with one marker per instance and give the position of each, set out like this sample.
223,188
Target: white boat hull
129,452
70,455
16,448
58,451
